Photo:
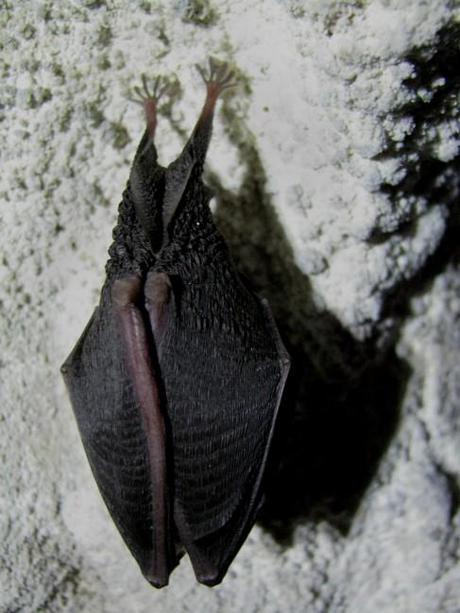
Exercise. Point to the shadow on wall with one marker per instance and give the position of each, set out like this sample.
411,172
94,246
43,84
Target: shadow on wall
340,406
342,400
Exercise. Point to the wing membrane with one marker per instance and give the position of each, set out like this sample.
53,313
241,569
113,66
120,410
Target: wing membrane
112,430
223,380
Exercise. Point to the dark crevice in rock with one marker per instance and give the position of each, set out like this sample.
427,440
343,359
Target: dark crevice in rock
426,176
397,301
454,491
436,181
429,66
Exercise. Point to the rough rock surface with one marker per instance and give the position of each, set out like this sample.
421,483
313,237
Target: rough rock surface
336,169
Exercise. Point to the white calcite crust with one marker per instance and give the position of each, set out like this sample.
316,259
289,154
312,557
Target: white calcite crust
353,112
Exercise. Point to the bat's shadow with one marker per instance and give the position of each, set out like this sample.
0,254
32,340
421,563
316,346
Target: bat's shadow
340,406
342,401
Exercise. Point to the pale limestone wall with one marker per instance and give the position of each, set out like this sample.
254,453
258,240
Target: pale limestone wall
336,172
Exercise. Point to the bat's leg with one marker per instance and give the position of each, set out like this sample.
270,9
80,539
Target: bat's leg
218,79
125,294
149,98
146,183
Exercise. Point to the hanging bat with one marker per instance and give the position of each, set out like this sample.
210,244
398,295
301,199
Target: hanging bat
177,379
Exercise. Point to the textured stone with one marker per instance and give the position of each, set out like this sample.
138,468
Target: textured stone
335,167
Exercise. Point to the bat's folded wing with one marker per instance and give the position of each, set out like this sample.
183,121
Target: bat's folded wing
111,428
223,386
223,391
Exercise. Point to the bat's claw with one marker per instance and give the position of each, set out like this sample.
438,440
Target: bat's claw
218,77
151,91
149,96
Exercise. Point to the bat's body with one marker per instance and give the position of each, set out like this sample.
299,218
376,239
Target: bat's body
177,379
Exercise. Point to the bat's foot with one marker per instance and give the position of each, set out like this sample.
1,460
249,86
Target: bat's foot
149,96
209,580
157,582
150,92
218,77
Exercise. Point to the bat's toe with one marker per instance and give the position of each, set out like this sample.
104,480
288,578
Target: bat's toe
209,579
156,580
157,574
158,583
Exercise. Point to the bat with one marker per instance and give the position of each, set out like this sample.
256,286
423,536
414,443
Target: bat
177,378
